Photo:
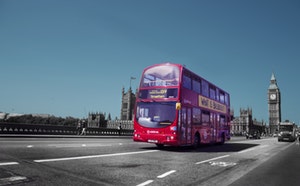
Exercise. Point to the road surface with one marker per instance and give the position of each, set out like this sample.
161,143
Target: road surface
120,161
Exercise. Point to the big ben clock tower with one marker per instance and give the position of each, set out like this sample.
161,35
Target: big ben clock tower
274,103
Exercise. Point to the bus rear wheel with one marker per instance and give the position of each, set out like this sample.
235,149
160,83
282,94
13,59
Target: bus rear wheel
222,139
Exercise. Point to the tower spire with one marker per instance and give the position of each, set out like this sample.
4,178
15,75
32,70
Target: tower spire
273,82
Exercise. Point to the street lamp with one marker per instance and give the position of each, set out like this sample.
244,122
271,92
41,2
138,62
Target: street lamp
131,78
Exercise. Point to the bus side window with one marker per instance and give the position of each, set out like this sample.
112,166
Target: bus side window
196,86
187,82
222,121
222,97
205,118
204,88
196,116
217,95
226,99
212,93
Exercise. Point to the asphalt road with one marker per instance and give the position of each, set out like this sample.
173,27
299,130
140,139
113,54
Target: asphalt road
282,169
120,161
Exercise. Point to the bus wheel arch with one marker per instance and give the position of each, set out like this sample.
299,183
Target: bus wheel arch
196,142
222,138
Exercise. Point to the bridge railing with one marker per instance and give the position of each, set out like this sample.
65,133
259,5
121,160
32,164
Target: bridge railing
17,128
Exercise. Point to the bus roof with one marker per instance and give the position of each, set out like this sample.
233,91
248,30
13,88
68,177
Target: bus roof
183,67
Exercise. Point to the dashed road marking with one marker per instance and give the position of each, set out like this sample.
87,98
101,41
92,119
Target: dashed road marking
166,174
212,159
222,164
145,183
10,180
8,163
77,145
160,176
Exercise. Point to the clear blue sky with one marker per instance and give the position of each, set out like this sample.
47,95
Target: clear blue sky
71,57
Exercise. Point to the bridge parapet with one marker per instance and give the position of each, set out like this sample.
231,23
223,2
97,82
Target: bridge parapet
17,128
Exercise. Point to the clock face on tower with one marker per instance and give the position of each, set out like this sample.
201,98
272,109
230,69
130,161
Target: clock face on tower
272,96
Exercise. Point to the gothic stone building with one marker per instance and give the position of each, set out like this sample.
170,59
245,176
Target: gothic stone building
127,107
244,123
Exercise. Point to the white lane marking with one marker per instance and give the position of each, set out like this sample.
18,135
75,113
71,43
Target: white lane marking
13,178
166,174
9,163
247,150
145,183
212,159
94,156
77,145
222,164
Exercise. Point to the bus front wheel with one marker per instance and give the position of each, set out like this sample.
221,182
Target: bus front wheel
160,146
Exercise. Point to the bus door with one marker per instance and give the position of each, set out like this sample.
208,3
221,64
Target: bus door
185,125
214,127
189,125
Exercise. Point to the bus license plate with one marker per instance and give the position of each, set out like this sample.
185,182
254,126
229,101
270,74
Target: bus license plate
286,138
152,141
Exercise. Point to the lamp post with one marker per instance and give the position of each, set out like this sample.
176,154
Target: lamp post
131,78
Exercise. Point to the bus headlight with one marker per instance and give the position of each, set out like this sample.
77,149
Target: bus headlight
170,138
173,128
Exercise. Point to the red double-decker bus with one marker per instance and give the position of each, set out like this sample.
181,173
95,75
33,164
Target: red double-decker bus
176,107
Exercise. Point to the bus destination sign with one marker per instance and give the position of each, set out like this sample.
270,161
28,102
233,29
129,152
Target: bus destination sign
211,104
158,93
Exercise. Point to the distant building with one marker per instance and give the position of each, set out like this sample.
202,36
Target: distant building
96,120
41,115
240,125
274,105
244,123
11,115
3,115
127,107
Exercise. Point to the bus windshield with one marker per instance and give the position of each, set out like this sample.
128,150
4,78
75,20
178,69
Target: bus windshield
155,114
166,75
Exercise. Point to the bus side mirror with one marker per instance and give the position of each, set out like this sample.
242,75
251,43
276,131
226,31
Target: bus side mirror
178,106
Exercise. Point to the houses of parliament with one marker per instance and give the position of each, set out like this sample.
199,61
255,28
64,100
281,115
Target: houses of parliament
245,122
